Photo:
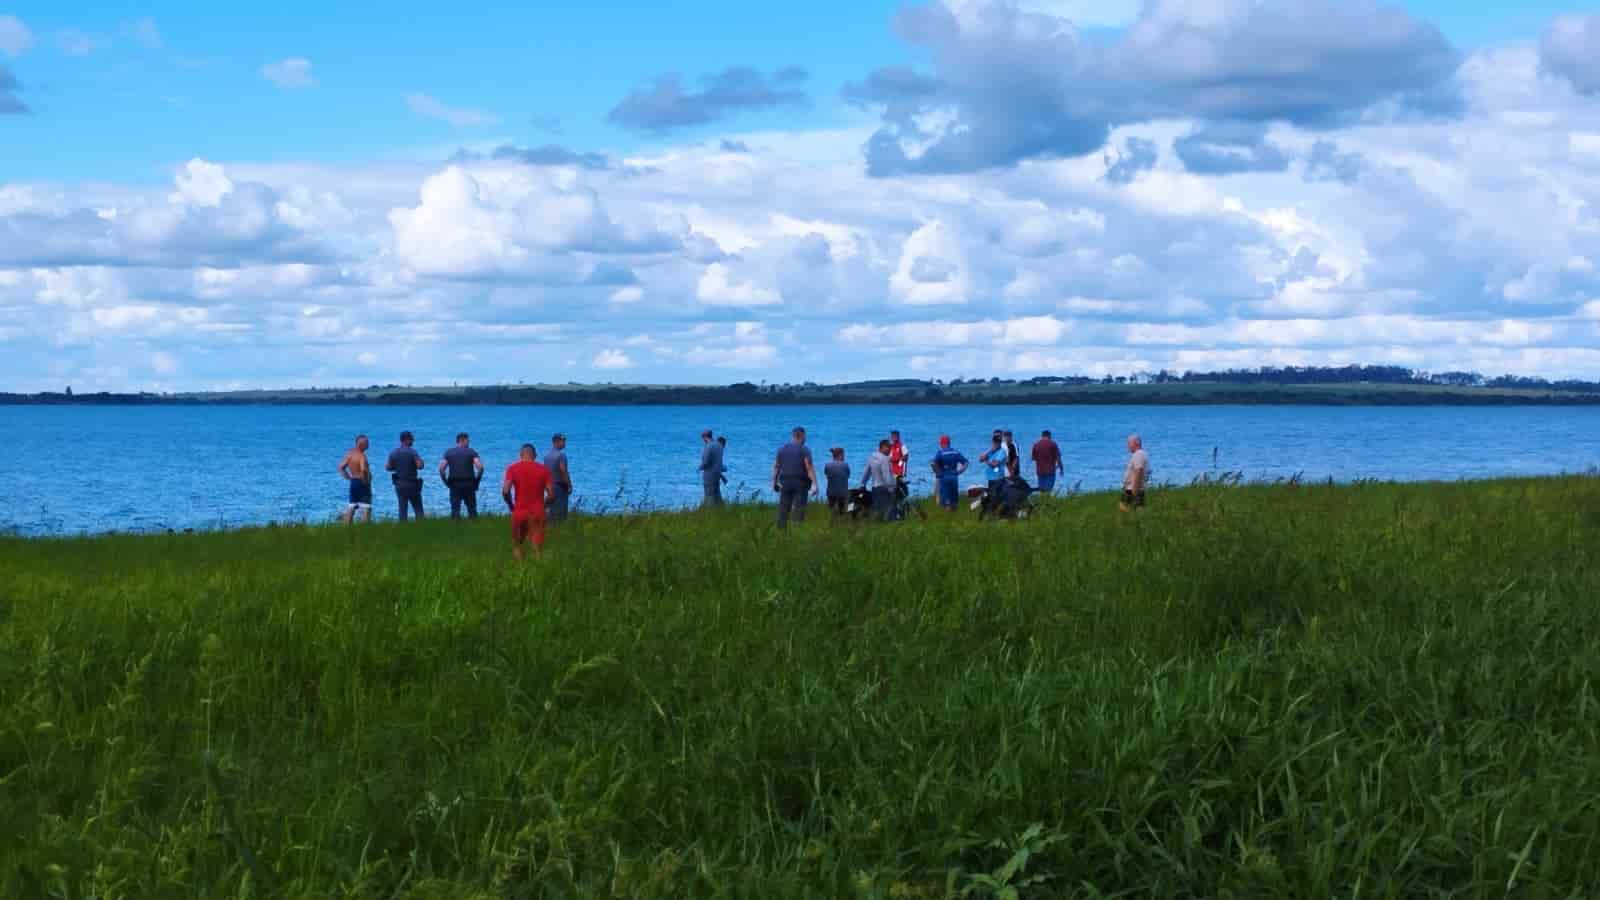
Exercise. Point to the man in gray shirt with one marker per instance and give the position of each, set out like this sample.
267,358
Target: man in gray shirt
555,510
711,469
838,474
794,478
880,475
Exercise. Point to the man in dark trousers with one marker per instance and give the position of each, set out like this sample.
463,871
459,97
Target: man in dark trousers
794,478
461,470
711,469
560,479
405,470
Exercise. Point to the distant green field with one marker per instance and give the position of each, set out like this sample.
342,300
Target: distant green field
1299,691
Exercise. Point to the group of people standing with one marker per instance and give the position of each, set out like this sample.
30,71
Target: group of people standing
794,476
539,491
536,491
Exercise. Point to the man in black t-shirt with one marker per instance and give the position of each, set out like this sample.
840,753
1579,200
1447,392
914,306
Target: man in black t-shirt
461,470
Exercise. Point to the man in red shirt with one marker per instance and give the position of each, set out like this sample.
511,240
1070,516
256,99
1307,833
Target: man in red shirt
1047,461
899,455
532,486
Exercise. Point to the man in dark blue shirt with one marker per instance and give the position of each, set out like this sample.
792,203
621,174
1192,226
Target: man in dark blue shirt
405,468
461,471
794,478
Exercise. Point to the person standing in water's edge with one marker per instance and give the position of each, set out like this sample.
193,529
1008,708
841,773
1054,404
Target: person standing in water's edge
794,478
356,470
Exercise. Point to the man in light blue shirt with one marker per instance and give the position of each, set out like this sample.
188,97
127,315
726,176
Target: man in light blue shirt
994,464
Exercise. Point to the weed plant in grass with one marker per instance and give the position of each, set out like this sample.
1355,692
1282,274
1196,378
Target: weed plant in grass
1307,691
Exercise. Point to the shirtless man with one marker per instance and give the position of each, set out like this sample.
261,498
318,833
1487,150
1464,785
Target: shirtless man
355,470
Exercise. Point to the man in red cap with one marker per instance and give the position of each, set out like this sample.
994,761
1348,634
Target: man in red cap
948,466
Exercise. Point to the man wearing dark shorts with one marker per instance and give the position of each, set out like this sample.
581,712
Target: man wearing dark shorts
462,469
405,468
358,472
794,478
526,487
1135,475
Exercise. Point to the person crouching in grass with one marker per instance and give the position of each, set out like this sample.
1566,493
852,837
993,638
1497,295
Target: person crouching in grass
526,488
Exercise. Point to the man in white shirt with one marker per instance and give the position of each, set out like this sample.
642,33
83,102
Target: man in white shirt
1135,475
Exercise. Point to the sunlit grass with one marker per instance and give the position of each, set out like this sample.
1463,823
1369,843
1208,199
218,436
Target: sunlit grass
1292,691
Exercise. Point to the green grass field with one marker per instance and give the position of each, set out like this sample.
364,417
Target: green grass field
1295,691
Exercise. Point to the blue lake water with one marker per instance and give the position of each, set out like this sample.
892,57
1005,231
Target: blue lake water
82,469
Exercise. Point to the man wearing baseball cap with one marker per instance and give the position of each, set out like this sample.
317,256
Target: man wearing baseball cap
948,466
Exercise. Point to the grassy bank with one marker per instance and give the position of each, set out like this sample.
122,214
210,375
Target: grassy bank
1372,690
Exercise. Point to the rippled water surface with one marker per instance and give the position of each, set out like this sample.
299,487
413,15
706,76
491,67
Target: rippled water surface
81,469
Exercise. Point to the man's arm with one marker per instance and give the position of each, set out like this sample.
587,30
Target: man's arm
566,474
811,473
477,465
776,468
1139,473
505,491
344,468
388,464
443,465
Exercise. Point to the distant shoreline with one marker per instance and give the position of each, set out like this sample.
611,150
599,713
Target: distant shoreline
905,393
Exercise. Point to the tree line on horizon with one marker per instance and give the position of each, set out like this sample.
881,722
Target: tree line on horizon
899,390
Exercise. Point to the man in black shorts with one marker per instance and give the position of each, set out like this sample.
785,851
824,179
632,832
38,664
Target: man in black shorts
1135,475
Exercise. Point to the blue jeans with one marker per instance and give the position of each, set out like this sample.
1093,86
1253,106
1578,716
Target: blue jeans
1047,482
949,491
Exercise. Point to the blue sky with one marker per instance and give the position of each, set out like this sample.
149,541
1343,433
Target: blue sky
205,196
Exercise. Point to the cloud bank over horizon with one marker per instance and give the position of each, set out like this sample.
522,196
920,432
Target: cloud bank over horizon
1212,185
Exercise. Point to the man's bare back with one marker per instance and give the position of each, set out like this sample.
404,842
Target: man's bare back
358,473
354,466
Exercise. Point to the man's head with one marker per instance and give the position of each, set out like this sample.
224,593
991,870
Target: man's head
1008,435
361,442
706,435
406,438
944,441
558,441
997,439
884,445
1134,443
461,439
799,435
528,453
894,437
722,439
838,452
1045,433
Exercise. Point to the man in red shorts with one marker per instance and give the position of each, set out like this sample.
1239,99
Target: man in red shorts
531,484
